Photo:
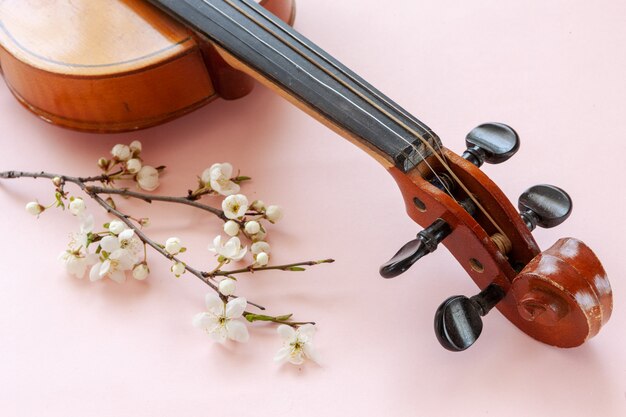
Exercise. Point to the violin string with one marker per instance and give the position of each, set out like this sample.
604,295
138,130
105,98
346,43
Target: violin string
358,94
395,107
440,156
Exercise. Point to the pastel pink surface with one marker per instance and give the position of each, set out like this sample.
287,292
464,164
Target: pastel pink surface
552,70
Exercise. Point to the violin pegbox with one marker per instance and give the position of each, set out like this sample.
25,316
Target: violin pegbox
561,296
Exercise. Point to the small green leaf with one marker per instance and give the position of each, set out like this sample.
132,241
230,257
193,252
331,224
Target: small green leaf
296,269
240,179
106,225
182,250
284,317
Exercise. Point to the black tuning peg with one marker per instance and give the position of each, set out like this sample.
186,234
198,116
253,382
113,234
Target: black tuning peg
458,322
493,143
544,206
426,242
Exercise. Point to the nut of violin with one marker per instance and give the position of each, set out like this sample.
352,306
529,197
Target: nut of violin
563,294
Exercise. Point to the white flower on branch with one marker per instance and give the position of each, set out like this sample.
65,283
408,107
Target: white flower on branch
148,178
141,271
227,286
258,205
77,258
117,226
218,177
235,206
231,250
274,213
262,259
133,165
221,321
35,208
173,246
297,344
77,206
252,227
126,240
258,247
231,228
121,152
178,268
135,147
114,266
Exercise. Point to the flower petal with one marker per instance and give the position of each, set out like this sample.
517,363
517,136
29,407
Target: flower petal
126,234
286,332
310,352
237,331
117,276
94,273
236,307
282,354
204,321
110,243
214,304
307,331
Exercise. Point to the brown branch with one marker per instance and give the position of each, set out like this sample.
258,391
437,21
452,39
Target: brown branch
252,269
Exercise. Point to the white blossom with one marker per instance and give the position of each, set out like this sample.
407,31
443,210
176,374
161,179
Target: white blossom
252,227
34,208
258,205
135,147
77,258
77,206
274,213
114,267
117,226
221,321
173,245
231,228
258,247
141,271
262,259
218,177
133,165
148,178
121,152
297,344
178,268
235,206
230,250
227,286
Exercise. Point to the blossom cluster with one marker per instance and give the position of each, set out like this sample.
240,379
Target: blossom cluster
119,248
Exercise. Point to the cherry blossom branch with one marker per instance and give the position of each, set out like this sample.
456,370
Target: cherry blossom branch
288,267
149,198
81,183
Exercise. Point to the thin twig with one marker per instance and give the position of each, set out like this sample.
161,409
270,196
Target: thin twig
267,268
149,198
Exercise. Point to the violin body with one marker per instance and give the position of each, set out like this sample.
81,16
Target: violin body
114,65
143,67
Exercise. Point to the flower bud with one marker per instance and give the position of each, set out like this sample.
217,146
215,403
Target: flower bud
258,205
178,269
35,208
133,165
252,227
121,152
141,271
103,163
227,286
259,247
57,181
148,178
144,222
116,227
231,228
262,259
135,147
274,213
77,206
173,245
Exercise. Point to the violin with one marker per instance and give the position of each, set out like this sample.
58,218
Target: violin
144,62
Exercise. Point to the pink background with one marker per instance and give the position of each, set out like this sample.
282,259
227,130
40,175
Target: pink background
553,70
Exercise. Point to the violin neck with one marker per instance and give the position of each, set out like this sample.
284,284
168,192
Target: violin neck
257,42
